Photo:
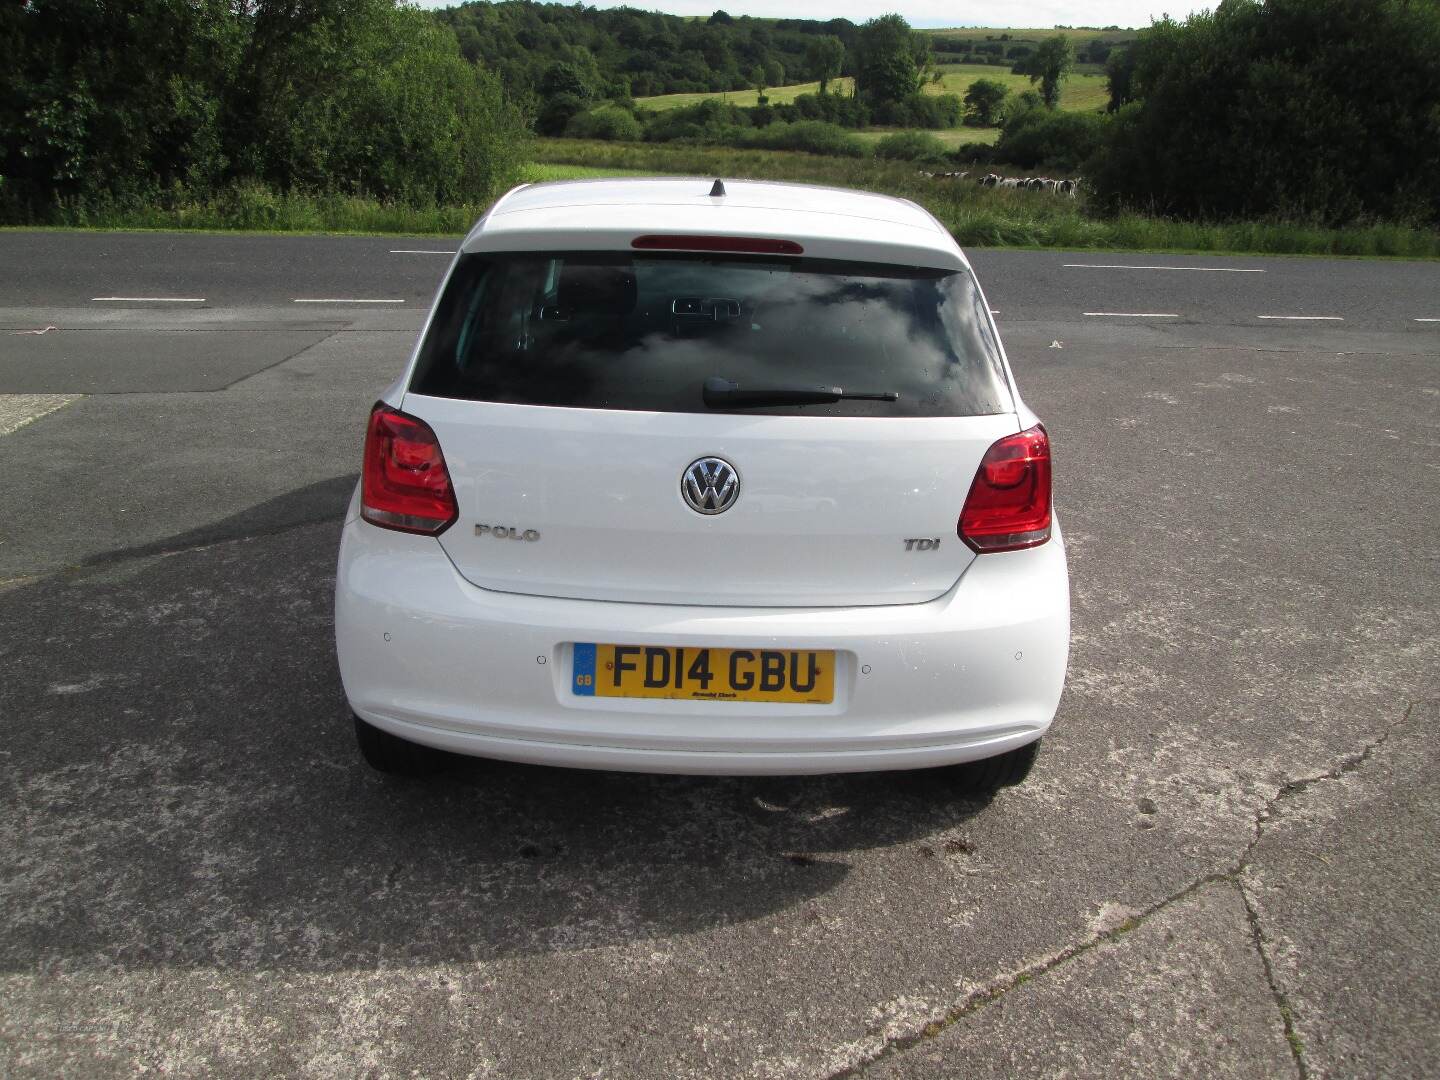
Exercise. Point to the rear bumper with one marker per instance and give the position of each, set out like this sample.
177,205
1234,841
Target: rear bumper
430,657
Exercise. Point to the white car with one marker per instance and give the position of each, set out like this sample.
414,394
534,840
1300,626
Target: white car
698,478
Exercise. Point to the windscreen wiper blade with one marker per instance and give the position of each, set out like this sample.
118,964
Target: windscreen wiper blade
722,393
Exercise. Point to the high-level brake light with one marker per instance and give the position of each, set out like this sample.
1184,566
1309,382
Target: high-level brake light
745,245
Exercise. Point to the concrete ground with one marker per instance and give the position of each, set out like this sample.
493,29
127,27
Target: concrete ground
1223,864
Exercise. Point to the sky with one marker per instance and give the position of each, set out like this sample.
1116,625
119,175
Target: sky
1022,13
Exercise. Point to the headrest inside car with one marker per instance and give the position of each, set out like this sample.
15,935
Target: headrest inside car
596,290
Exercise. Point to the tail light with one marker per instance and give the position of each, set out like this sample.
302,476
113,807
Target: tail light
405,484
1009,502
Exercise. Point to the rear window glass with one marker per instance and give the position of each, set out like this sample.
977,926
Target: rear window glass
602,330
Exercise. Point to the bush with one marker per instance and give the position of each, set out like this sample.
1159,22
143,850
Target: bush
934,111
910,146
716,123
608,122
833,108
557,113
701,122
1018,108
1064,140
811,136
972,153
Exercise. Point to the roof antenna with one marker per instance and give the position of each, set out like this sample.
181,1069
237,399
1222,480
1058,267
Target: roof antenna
718,190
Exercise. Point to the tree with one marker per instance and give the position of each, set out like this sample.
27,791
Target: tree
79,120
1119,77
557,112
153,100
563,78
369,96
823,59
1048,65
889,59
983,101
1322,112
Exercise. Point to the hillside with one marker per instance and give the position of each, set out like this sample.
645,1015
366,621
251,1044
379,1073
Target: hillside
674,60
1079,92
620,52
1004,46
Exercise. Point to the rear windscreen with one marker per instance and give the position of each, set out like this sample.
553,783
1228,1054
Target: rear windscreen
603,330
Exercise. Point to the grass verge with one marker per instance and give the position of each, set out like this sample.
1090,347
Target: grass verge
978,217
254,208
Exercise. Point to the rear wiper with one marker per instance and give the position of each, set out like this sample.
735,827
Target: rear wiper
721,392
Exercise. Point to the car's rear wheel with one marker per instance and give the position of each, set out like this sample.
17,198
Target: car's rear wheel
989,775
391,754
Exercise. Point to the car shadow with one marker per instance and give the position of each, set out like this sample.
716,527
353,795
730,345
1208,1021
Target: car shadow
324,500
183,790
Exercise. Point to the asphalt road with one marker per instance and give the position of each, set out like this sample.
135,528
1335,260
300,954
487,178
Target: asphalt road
1224,863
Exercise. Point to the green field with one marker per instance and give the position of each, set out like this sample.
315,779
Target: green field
1078,92
778,95
537,172
953,138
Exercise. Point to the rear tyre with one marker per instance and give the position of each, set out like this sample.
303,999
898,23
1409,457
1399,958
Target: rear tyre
391,754
989,775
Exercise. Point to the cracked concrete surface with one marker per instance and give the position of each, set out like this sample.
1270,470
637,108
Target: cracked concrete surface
1115,1009
1223,864
1344,886
1070,1015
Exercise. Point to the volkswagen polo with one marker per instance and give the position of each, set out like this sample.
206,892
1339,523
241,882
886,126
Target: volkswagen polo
696,478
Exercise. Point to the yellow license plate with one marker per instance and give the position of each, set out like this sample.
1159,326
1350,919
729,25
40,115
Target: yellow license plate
689,674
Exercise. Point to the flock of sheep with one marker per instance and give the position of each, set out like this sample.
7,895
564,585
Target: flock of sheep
1025,183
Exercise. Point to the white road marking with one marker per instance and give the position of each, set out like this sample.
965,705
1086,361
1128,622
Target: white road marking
418,251
1305,318
38,333
334,300
1135,314
1427,320
149,299
1118,266
17,410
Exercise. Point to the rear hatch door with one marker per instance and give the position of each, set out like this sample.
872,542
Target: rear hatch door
571,392
590,504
